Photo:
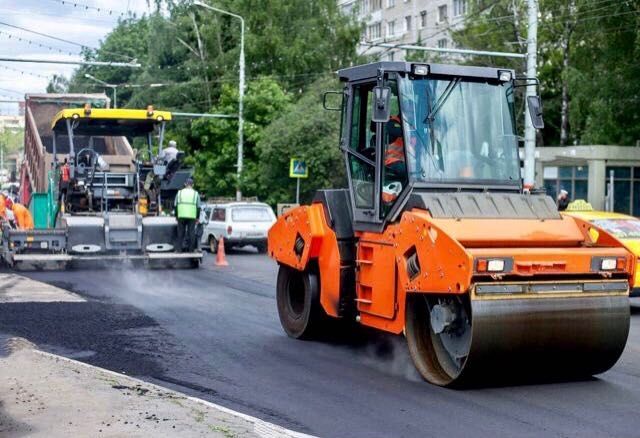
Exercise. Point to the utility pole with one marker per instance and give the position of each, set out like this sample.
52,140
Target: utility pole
532,59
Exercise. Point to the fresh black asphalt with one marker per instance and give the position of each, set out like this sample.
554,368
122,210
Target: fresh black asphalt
214,333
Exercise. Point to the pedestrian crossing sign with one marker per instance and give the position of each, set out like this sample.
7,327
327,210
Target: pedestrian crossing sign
298,168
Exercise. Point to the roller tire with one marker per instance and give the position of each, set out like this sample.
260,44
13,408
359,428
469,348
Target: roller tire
298,300
262,248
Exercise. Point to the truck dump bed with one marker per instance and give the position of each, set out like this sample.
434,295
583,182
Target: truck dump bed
38,144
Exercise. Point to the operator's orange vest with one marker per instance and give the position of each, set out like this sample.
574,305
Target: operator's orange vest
66,174
395,150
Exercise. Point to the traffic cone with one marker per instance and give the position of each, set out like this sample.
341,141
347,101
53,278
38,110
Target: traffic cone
221,258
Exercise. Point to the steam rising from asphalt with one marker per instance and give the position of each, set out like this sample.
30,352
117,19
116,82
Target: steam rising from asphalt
389,355
385,353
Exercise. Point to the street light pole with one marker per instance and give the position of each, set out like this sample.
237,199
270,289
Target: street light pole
240,94
106,84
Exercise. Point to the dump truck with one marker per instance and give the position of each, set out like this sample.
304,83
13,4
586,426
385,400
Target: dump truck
116,201
436,237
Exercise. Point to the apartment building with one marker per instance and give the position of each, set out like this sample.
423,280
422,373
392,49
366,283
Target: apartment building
11,123
427,22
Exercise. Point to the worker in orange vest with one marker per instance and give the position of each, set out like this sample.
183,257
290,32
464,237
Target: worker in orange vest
23,218
3,207
65,173
394,160
65,178
394,155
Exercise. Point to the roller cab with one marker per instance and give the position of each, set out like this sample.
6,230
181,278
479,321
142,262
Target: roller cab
436,239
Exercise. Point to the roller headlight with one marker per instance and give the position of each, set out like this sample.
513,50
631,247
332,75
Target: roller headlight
494,265
608,264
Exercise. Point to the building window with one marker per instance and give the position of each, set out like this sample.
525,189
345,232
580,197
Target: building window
391,3
423,19
376,5
347,8
407,23
442,43
442,13
626,189
459,7
392,56
573,179
374,31
391,28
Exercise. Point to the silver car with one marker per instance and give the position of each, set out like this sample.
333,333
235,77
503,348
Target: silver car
239,223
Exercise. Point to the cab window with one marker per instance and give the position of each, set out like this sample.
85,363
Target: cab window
394,161
362,166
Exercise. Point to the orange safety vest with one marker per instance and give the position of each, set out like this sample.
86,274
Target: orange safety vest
66,173
395,150
24,220
3,207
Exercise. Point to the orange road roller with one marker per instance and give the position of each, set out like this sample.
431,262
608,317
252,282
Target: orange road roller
436,238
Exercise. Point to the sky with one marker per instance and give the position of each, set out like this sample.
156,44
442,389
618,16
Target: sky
74,20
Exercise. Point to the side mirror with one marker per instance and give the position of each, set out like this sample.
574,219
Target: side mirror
327,104
535,111
381,108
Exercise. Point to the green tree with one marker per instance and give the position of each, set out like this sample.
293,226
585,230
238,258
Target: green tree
58,84
127,42
306,131
578,40
215,155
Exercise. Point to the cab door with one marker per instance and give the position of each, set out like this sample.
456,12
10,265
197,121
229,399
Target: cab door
367,144
359,144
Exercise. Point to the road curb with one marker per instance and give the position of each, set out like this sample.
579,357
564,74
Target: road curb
261,428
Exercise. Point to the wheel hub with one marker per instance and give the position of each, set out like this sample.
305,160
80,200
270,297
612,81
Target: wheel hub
442,317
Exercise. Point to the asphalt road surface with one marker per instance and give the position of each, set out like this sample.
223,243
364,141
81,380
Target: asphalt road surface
214,333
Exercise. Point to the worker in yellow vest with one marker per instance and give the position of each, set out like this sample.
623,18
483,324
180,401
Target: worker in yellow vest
187,210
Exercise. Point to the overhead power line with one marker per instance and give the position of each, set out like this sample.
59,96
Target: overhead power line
64,40
66,62
22,72
6,90
86,7
31,42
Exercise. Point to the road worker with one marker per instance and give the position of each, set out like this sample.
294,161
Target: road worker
3,208
395,172
187,210
23,218
65,179
563,200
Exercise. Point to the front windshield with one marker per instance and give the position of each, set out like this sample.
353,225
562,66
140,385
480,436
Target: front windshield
459,129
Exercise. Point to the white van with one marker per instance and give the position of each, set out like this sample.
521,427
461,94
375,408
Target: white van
240,223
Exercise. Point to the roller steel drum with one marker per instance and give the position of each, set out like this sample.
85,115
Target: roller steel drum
544,331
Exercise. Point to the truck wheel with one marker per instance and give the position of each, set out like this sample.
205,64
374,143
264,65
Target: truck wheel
262,248
213,245
298,298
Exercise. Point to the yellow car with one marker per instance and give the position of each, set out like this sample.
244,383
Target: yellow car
623,227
